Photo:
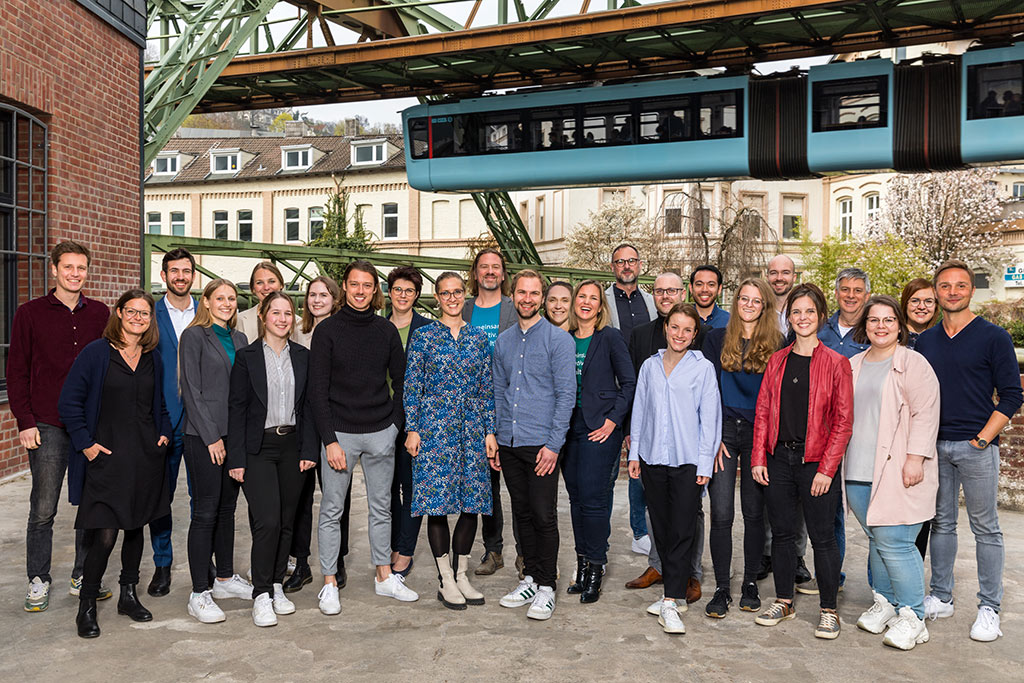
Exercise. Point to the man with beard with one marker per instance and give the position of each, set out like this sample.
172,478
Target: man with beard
852,291
705,286
490,309
781,278
628,305
972,359
534,394
173,314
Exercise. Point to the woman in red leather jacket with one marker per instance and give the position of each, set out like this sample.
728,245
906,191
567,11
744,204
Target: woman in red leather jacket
803,421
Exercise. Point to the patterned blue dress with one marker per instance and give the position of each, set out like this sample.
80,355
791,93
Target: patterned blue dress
449,400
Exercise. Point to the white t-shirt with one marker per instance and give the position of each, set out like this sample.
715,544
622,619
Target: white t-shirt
180,319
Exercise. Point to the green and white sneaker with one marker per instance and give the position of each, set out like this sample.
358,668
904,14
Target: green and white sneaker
522,595
543,605
38,597
76,589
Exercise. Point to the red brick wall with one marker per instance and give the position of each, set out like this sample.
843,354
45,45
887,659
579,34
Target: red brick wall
81,77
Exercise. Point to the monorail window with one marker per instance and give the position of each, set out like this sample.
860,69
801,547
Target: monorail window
851,104
553,128
607,124
718,115
501,132
665,120
994,90
419,138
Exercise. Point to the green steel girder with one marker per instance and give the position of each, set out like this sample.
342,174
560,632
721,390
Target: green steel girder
507,227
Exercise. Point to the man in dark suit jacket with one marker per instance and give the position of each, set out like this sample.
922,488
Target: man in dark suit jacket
173,314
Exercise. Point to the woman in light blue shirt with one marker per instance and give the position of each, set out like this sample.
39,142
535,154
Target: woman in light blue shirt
676,430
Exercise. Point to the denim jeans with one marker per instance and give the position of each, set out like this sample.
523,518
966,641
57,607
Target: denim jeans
405,529
48,464
637,508
961,464
584,466
897,570
160,529
738,437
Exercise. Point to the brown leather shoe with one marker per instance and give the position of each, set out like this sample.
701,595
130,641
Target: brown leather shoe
645,580
492,562
692,590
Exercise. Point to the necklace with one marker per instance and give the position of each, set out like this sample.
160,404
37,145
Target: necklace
133,357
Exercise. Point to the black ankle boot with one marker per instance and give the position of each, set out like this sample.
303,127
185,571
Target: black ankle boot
299,578
592,583
576,587
88,627
129,605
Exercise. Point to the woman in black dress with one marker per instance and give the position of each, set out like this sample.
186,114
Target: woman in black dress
112,405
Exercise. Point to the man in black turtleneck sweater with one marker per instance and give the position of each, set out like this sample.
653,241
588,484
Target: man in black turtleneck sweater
352,354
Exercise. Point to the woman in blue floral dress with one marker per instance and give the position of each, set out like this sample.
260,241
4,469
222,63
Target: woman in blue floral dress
449,413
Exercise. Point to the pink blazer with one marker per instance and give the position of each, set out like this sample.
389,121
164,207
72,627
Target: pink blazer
907,423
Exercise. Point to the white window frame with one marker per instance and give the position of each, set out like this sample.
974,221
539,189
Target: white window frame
541,210
221,153
385,214
379,156
242,221
296,221
844,209
171,159
150,223
872,206
303,151
1018,190
176,223
225,221
316,215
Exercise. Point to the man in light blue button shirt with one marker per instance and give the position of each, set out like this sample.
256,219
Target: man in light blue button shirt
534,393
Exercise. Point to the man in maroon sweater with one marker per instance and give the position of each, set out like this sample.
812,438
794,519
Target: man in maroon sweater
46,336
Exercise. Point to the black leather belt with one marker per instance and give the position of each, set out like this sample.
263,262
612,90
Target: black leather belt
792,445
280,430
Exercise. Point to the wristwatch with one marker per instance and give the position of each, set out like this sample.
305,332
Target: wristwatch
981,442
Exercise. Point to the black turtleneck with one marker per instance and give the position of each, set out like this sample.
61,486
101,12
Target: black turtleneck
351,355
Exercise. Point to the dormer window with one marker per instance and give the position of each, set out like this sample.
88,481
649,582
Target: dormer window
166,164
368,152
224,162
296,158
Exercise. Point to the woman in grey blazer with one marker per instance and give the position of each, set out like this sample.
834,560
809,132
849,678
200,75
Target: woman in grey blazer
206,353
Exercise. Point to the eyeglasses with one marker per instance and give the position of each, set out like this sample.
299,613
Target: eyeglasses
922,302
132,313
409,291
626,261
747,301
888,321
448,295
670,291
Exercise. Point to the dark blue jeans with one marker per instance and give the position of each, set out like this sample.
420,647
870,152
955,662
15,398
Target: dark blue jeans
585,468
48,464
405,529
160,529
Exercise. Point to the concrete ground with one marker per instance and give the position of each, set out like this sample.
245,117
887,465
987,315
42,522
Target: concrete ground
381,639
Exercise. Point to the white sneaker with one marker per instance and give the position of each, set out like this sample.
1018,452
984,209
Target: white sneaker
282,605
521,595
329,602
235,587
937,609
654,609
202,607
263,611
38,597
879,616
906,630
394,587
668,617
642,545
986,626
543,605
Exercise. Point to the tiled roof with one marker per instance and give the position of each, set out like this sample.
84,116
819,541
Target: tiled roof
266,160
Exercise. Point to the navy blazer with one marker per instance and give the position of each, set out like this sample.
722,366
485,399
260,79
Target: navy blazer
79,407
608,379
168,348
247,405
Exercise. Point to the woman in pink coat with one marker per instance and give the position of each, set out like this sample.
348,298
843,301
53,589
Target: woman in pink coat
890,469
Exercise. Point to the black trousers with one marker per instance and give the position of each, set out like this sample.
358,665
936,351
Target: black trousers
789,482
212,530
98,554
405,529
492,525
272,487
303,527
534,509
673,498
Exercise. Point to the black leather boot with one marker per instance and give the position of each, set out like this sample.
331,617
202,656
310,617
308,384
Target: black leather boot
576,587
592,583
161,583
129,605
299,578
88,627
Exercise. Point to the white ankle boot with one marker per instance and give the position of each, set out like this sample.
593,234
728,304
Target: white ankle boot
472,595
448,592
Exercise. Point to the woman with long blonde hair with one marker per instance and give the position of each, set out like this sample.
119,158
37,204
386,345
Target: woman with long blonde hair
740,353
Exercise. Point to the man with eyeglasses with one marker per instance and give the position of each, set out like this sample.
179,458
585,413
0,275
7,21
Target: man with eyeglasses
973,359
645,341
628,304
782,278
46,337
705,286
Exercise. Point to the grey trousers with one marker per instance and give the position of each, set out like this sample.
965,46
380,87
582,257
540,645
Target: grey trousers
654,560
377,452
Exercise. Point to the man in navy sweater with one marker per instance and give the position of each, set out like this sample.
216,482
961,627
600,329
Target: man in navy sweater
972,359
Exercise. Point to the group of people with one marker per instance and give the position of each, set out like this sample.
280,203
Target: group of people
883,409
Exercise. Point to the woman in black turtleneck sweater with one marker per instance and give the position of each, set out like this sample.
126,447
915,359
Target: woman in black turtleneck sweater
351,357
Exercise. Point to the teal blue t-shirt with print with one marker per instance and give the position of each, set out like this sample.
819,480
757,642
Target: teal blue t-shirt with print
487,319
582,345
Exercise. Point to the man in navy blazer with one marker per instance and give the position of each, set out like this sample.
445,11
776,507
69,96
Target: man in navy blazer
173,314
